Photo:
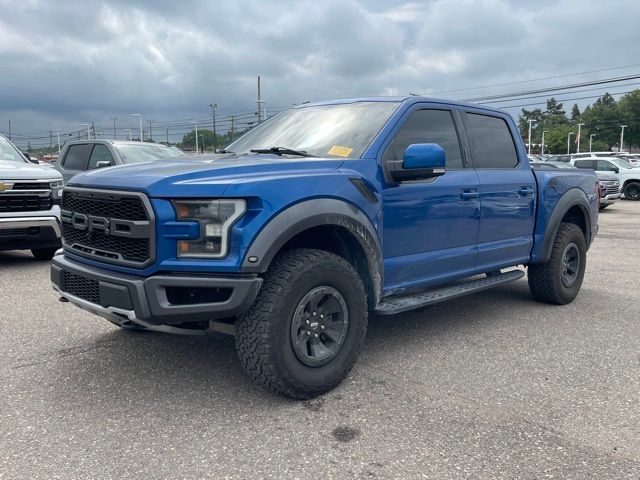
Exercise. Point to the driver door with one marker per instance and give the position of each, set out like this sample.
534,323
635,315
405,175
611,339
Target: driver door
430,227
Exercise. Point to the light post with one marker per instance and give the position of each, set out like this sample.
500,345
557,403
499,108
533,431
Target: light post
569,141
591,141
88,130
130,137
530,122
197,149
213,122
114,127
579,128
622,138
58,133
543,132
139,115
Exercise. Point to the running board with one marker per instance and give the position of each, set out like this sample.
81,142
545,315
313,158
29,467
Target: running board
403,304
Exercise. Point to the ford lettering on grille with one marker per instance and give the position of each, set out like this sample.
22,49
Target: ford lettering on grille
108,226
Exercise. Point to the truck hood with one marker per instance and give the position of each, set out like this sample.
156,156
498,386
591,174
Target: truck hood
27,171
192,177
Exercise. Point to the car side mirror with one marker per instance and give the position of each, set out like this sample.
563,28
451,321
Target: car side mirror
103,164
615,170
421,161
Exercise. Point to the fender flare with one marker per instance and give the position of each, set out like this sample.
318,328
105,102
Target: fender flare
572,198
313,213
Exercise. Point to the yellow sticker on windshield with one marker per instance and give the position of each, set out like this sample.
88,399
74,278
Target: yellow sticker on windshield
340,151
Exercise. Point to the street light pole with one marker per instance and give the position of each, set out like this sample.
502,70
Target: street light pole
591,141
58,133
543,132
139,115
579,128
622,138
213,122
530,122
115,137
569,141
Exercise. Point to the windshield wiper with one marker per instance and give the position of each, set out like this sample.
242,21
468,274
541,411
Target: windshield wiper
281,151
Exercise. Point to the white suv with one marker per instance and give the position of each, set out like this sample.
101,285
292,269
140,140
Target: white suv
629,176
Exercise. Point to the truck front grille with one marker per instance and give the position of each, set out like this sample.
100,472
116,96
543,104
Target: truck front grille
109,226
24,203
81,287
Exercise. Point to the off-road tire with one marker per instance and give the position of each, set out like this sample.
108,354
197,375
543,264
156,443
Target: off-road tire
43,253
263,340
632,191
545,280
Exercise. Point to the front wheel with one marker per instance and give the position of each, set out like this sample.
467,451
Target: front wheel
632,191
559,280
43,253
303,333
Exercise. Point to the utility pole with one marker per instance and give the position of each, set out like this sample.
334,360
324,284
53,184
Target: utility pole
591,141
139,115
260,102
58,132
115,137
93,130
167,135
543,132
579,129
50,141
130,137
529,144
213,122
622,138
569,141
150,131
197,149
9,129
88,125
233,126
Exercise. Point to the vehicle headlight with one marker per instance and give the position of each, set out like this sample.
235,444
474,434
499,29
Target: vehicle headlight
56,187
215,218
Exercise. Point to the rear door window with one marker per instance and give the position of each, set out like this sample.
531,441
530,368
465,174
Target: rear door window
77,157
586,164
100,153
492,145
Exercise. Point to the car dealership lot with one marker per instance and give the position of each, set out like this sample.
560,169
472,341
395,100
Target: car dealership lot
490,386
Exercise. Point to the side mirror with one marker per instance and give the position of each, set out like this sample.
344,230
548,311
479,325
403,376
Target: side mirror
421,161
615,170
103,164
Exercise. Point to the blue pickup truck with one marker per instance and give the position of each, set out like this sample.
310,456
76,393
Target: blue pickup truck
324,213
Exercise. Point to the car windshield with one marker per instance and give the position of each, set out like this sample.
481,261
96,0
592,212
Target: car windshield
343,130
134,153
8,153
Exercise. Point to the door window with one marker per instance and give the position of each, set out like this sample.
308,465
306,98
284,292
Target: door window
606,166
586,164
77,157
492,145
427,126
100,153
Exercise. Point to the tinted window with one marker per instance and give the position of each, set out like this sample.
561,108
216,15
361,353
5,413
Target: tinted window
491,142
427,126
77,157
100,153
588,164
605,166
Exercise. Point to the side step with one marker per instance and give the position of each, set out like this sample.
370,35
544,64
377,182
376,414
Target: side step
403,304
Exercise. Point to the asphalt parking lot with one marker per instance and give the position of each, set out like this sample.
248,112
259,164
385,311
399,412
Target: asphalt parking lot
491,386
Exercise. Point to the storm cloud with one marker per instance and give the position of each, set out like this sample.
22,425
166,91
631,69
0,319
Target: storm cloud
65,63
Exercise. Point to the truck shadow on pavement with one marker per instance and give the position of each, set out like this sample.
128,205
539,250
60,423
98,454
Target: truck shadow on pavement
198,372
16,258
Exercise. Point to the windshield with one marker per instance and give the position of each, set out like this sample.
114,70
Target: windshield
9,153
344,130
132,153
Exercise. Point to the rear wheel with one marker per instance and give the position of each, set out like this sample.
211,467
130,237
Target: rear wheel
632,191
43,253
303,333
559,280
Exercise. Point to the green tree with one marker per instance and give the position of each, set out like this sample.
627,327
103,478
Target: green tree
575,113
629,110
603,119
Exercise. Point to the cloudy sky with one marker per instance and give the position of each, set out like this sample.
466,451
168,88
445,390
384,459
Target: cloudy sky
65,63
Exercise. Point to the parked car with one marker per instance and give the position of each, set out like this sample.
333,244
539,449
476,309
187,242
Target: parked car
29,204
629,176
302,228
81,155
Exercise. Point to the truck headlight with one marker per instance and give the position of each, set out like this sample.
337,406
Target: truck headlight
56,190
215,218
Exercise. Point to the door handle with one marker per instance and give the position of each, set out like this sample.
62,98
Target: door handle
525,191
469,195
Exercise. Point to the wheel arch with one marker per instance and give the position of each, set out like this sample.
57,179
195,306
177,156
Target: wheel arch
326,224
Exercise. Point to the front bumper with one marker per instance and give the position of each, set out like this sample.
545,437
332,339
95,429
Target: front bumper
609,199
19,233
151,302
